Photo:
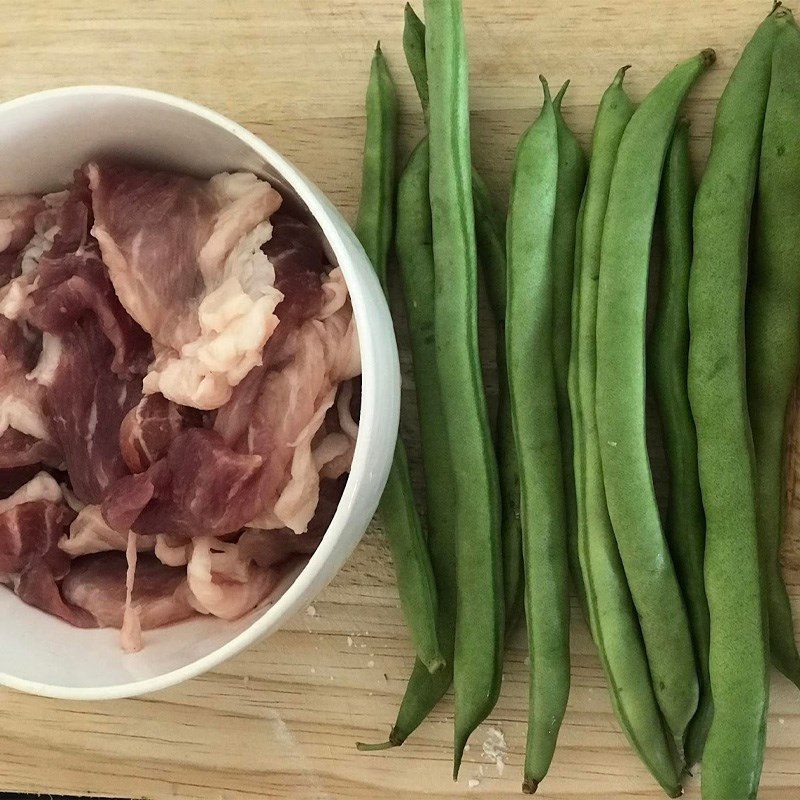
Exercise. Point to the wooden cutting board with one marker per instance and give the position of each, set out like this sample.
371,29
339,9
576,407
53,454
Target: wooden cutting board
280,721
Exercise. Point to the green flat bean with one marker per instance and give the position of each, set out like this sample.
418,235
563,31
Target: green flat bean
490,230
491,245
621,306
415,260
612,617
480,612
668,357
412,565
571,180
738,660
534,411
773,329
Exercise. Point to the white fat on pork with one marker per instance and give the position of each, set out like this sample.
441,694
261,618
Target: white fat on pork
14,302
224,584
45,230
326,354
234,328
89,533
334,453
130,634
23,414
45,370
172,553
296,505
42,486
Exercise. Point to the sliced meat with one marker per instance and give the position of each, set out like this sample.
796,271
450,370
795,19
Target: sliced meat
97,584
87,403
296,254
272,548
32,521
202,486
75,285
64,216
21,449
17,216
185,259
149,428
26,436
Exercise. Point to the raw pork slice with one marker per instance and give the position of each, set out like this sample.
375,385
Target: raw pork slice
149,428
17,216
26,435
32,521
88,403
97,584
185,259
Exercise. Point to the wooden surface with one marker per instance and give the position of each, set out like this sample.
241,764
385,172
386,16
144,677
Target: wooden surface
280,721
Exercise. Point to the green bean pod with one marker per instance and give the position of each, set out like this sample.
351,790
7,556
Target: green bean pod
668,357
490,230
412,564
612,616
478,659
738,659
773,329
621,308
571,180
491,244
534,411
415,260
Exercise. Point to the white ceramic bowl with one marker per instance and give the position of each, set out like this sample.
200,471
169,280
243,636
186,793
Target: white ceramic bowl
43,138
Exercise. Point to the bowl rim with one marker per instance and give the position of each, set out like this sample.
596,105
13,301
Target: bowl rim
301,591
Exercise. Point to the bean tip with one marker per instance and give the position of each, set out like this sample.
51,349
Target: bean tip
371,747
545,86
458,754
561,92
708,56
529,786
620,76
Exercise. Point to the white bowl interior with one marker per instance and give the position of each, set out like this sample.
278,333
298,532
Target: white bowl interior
43,138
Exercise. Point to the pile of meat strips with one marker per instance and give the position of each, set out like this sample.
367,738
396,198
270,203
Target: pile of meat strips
178,396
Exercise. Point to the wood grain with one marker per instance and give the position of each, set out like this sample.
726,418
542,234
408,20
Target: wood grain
280,721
